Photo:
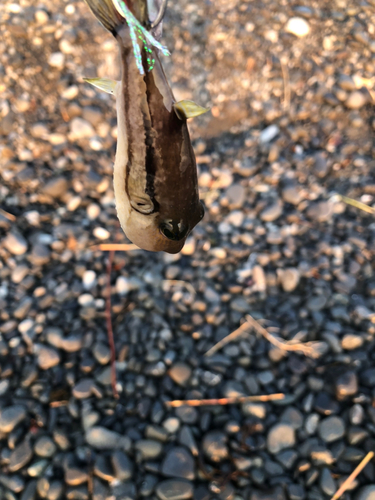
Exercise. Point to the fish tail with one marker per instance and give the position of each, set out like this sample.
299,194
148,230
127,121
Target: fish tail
106,13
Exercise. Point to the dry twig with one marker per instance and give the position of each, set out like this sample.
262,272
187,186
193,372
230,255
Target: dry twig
108,314
114,247
345,485
285,72
224,401
242,329
308,349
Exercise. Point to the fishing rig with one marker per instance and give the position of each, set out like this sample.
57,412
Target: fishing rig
140,32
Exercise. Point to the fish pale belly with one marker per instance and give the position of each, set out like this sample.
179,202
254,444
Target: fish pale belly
142,230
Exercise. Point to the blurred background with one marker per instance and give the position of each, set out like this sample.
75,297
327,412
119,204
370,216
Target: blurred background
291,87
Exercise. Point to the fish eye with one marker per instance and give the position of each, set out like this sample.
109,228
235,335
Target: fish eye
143,206
175,231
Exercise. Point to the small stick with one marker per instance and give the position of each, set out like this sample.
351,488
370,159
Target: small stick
308,350
348,481
224,401
243,328
108,314
9,216
285,72
114,247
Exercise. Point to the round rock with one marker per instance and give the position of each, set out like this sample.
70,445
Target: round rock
178,463
280,436
180,373
331,428
11,416
215,446
174,489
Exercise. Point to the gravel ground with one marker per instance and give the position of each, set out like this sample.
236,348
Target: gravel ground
292,126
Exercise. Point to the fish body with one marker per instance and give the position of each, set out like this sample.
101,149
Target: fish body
155,175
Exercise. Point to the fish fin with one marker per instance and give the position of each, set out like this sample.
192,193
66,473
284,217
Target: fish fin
106,13
188,109
104,84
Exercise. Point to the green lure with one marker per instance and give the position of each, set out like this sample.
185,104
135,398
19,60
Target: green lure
138,31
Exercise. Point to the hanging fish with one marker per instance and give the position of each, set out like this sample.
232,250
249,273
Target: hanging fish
155,175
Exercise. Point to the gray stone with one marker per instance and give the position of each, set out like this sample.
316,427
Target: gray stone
56,187
271,213
102,353
326,482
366,493
47,357
84,388
15,243
148,448
215,446
29,493
101,438
178,463
180,373
122,466
20,456
10,417
331,428
280,436
45,447
346,385
174,489
14,482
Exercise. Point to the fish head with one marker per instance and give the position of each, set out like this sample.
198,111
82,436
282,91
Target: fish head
156,225
159,227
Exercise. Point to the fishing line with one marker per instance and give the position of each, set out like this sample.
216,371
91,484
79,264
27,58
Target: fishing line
137,31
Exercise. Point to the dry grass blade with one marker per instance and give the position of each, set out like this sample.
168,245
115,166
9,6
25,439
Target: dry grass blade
285,72
308,349
224,401
358,204
345,485
242,329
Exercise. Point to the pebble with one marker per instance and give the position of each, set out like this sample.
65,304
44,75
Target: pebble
47,357
57,60
346,385
351,341
80,129
20,456
45,447
15,243
173,489
269,133
56,188
331,428
215,446
356,100
148,448
292,195
290,279
180,373
271,213
297,26
11,416
89,279
122,466
366,493
101,233
326,482
178,463
101,438
84,389
279,437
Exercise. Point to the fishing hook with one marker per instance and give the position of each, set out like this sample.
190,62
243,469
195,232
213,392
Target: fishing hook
160,15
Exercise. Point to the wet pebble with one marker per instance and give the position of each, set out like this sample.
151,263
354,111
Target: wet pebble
178,463
279,437
331,428
173,489
215,446
11,416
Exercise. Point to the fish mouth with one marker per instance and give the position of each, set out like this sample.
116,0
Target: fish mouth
174,230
